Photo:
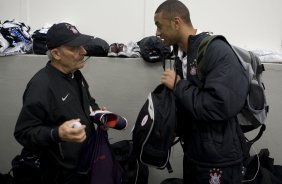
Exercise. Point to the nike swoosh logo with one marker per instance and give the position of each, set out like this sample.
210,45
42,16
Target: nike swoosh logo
64,98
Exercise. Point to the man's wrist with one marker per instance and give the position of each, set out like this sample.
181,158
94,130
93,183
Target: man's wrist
55,135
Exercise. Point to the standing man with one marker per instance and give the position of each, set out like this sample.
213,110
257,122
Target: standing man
55,98
207,114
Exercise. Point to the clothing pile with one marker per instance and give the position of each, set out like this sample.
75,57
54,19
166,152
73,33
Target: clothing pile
268,56
14,38
97,47
39,40
130,50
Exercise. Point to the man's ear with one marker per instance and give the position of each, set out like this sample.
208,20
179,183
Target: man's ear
56,54
177,22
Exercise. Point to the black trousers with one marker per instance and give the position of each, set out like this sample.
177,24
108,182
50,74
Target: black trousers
196,174
61,176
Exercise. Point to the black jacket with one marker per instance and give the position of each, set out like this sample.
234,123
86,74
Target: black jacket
207,115
50,99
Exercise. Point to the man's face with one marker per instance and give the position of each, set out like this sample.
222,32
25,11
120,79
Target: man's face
165,29
71,58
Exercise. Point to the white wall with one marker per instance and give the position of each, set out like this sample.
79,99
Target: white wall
252,24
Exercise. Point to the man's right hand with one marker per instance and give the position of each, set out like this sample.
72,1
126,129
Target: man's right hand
168,78
69,134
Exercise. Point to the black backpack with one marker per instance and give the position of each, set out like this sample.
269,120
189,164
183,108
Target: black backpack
134,171
26,168
260,169
154,130
6,178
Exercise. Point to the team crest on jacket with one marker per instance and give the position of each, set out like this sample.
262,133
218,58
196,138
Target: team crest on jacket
193,68
193,71
215,175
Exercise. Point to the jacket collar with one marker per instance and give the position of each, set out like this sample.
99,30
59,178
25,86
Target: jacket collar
58,72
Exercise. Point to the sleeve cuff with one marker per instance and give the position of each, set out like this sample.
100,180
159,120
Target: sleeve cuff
176,86
55,135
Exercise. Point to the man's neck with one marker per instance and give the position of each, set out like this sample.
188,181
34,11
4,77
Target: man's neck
183,45
61,68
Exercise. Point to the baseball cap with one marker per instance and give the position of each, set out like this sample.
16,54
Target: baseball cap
153,50
65,34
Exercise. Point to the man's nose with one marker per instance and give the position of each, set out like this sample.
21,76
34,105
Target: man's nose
158,33
83,50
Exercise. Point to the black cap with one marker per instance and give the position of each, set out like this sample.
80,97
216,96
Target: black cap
153,50
65,34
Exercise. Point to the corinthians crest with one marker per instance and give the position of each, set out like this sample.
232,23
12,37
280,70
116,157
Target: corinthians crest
193,68
215,175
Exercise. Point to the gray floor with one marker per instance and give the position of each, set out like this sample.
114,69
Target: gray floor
121,85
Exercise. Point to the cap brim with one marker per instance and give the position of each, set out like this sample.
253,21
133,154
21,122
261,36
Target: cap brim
81,40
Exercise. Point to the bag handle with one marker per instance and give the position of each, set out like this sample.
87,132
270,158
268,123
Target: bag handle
175,50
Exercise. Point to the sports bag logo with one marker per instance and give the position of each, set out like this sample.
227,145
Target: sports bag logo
144,121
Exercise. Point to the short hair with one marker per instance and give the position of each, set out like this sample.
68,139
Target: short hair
49,55
173,8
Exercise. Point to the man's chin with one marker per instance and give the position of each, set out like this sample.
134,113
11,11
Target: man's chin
81,64
167,44
81,61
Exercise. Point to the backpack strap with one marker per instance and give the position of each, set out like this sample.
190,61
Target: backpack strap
261,130
168,166
259,66
176,60
201,52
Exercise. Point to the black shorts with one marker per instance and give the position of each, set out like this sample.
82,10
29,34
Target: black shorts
196,174
61,176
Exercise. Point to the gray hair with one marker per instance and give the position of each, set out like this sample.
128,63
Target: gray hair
48,53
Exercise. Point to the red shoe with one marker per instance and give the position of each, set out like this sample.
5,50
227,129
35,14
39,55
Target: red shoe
109,119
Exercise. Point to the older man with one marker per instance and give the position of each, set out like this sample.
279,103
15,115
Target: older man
55,98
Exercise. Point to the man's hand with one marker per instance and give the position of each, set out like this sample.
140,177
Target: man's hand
70,134
168,78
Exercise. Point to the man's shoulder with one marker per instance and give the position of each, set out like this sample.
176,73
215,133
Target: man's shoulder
41,79
219,44
41,75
